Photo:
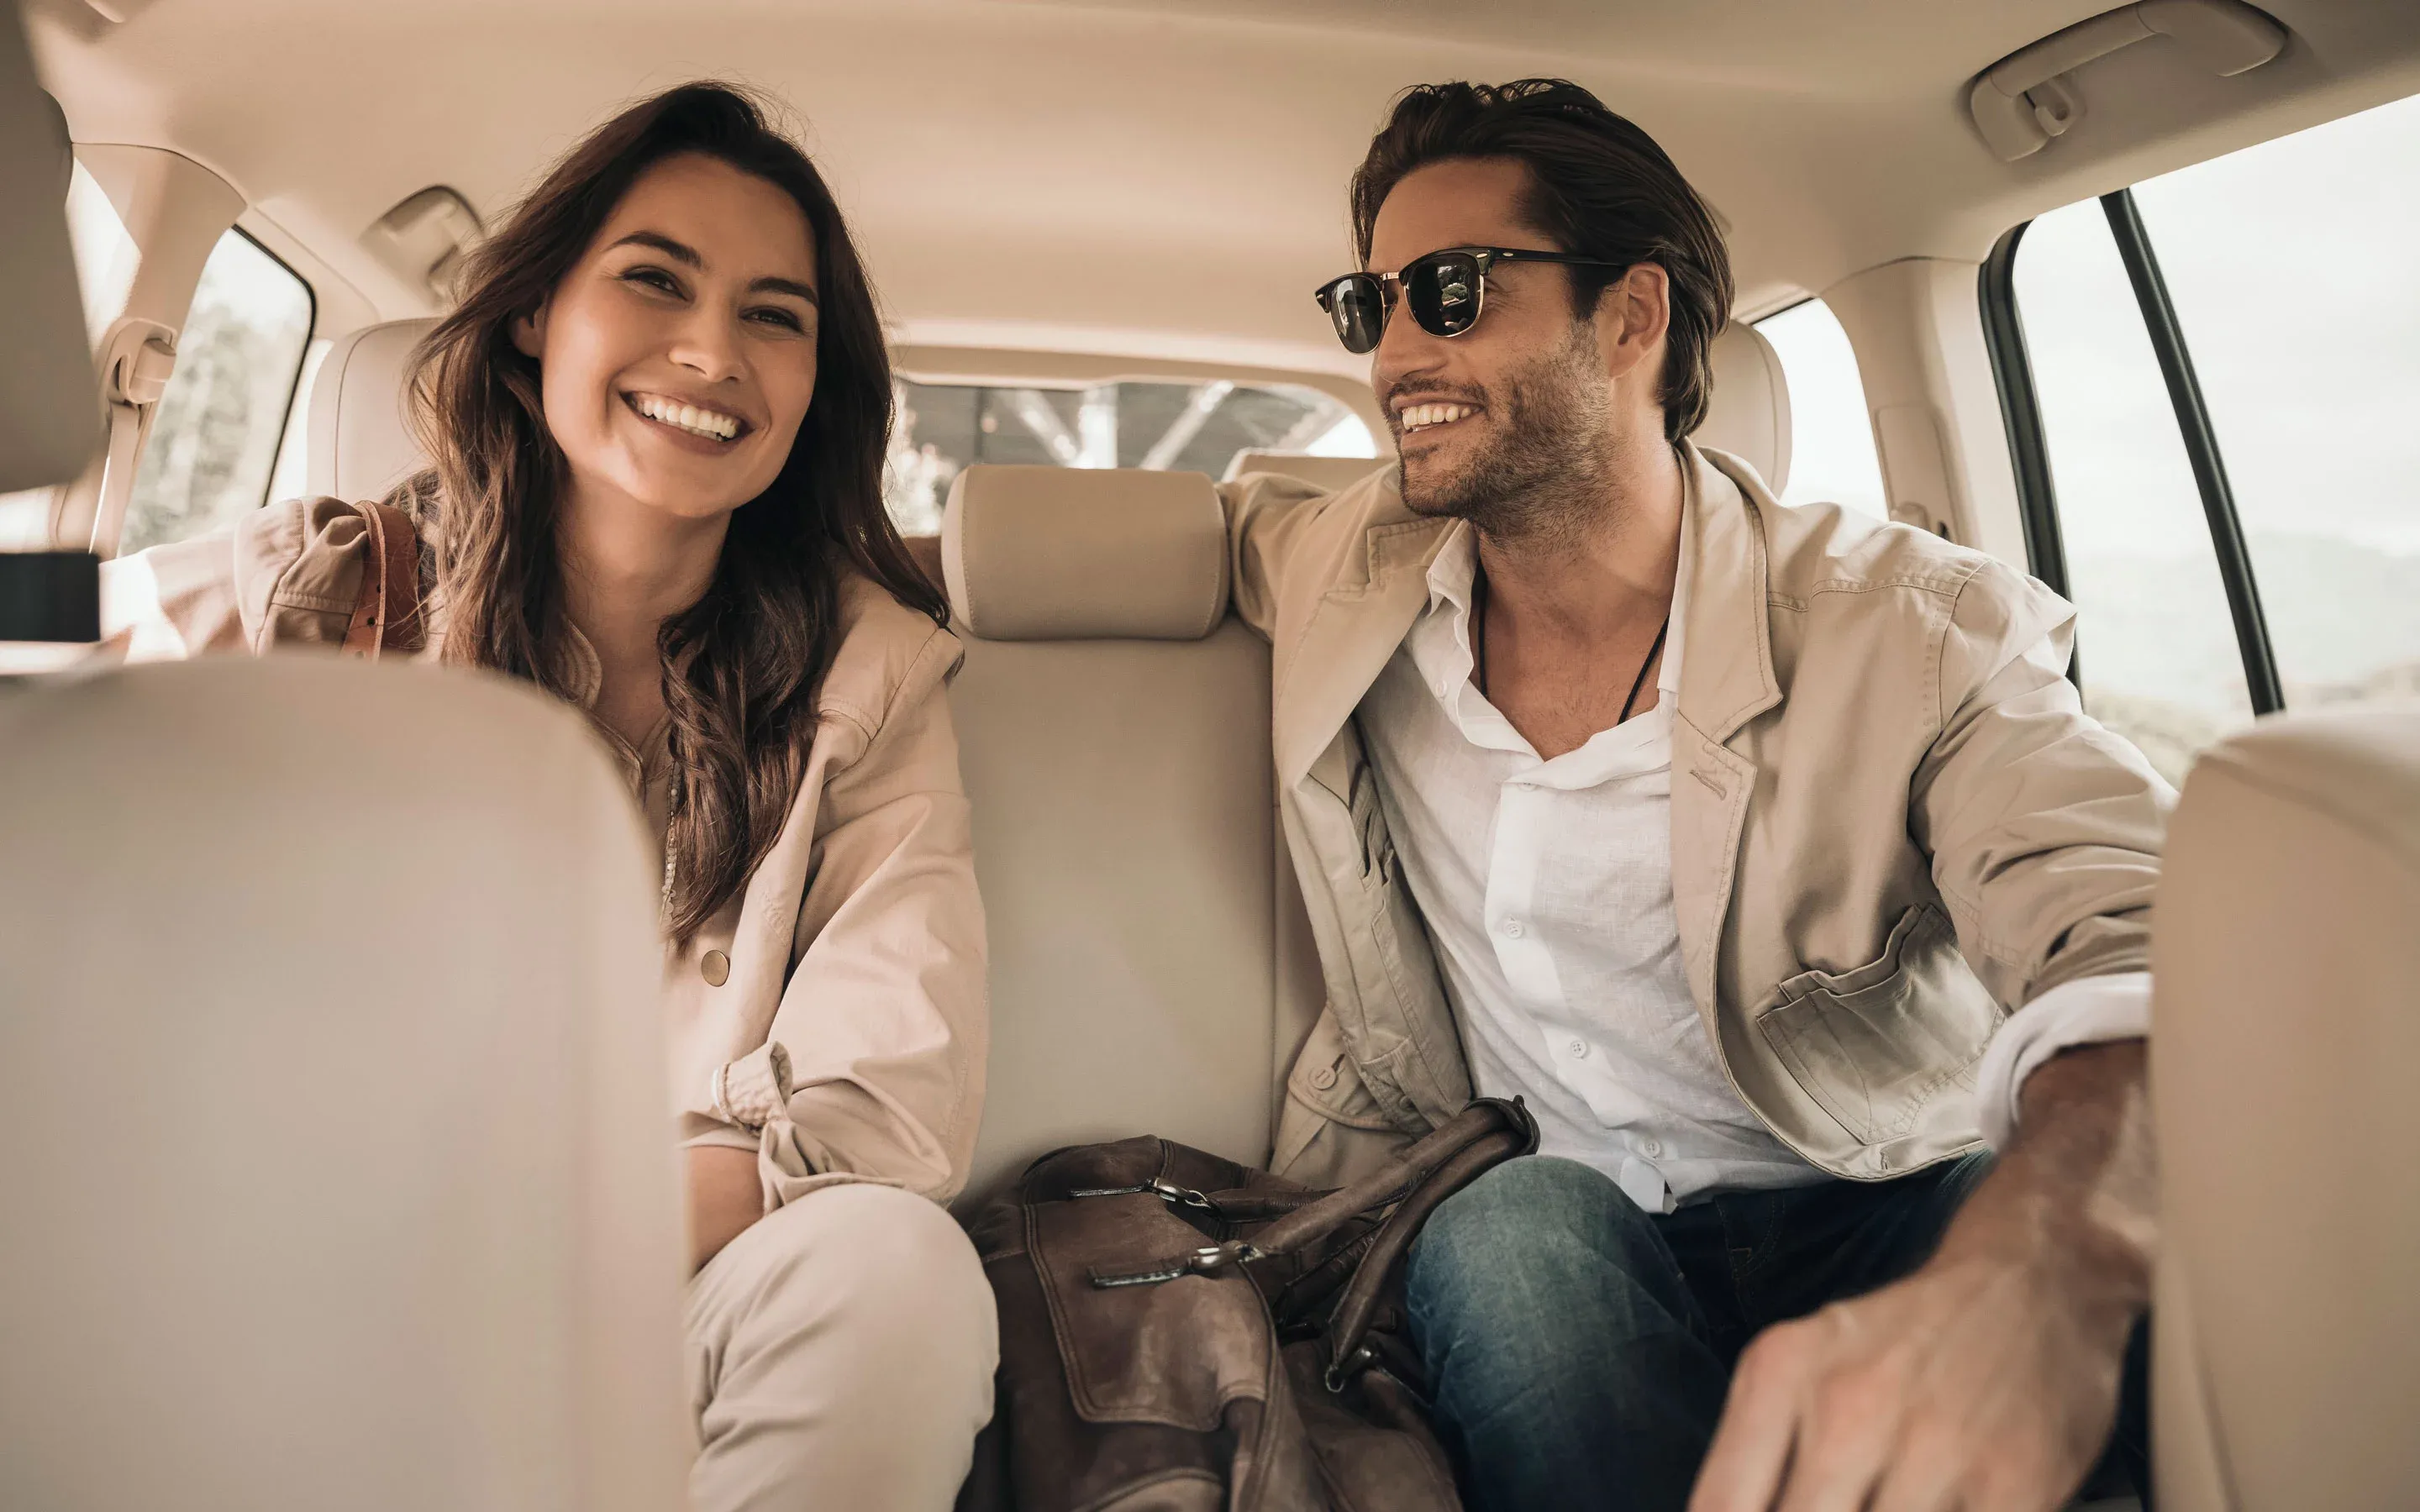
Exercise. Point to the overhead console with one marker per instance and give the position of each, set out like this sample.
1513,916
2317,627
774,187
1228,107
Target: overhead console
2029,97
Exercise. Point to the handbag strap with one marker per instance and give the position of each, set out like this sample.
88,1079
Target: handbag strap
386,608
1488,1131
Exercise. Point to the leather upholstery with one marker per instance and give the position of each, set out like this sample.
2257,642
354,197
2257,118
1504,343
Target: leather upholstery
2289,1334
1749,416
334,1075
1042,553
358,444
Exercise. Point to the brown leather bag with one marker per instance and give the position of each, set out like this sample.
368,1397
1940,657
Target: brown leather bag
1180,1331
386,611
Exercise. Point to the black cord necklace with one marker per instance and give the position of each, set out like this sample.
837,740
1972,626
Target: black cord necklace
1479,638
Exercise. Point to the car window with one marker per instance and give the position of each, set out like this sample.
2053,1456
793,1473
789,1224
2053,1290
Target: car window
941,429
2156,648
2284,275
2293,268
1832,457
214,443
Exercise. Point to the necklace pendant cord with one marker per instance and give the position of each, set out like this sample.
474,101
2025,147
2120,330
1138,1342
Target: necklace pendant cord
1478,641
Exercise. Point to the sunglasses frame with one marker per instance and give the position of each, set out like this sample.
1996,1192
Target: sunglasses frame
1393,291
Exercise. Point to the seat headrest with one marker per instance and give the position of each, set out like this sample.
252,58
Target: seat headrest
358,444
1332,472
1749,416
1042,553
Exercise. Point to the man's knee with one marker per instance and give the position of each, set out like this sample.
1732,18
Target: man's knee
1532,1239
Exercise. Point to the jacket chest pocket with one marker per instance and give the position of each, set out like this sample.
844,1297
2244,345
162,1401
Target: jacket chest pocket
1876,1046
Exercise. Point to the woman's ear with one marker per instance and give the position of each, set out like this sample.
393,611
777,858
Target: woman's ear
529,332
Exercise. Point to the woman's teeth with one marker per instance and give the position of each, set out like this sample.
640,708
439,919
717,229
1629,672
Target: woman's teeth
688,417
1421,416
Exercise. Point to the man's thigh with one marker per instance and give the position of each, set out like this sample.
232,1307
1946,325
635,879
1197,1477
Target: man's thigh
1798,1250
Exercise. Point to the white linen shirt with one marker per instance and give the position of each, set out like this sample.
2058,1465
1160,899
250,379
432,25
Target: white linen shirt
1547,888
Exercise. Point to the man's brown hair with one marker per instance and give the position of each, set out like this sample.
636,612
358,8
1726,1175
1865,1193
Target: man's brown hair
1598,187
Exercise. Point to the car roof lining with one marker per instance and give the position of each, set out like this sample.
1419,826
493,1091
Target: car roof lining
1141,175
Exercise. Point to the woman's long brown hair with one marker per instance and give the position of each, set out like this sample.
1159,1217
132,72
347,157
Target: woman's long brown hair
741,667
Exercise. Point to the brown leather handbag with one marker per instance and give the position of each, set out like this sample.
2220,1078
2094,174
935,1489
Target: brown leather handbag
1179,1331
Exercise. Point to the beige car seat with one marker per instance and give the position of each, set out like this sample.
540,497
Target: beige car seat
333,1085
1152,970
2286,1334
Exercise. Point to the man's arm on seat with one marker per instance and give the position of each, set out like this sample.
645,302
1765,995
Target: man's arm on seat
1264,510
1989,1377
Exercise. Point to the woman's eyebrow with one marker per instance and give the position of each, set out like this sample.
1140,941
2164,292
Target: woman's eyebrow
681,252
785,286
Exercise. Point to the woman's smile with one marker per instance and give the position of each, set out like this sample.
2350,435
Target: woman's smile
714,430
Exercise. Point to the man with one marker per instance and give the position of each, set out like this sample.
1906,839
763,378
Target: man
1765,852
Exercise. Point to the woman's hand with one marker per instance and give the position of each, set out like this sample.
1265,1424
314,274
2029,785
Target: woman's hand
724,1198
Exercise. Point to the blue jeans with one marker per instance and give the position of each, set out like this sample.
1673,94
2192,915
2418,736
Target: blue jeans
1578,1349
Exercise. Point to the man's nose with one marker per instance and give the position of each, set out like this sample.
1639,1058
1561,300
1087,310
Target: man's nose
1403,351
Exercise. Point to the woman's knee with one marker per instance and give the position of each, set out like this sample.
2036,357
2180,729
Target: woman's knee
885,1266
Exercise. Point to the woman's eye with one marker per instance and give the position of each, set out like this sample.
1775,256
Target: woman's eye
783,319
654,278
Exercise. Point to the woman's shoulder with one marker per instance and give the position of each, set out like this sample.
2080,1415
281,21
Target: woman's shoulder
890,655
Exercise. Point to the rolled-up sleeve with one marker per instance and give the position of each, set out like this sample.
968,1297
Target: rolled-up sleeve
873,1067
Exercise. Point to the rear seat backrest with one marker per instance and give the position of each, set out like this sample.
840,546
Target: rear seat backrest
357,443
1150,972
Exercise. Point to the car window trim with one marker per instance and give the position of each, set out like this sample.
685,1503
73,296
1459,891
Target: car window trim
302,358
2200,438
2012,375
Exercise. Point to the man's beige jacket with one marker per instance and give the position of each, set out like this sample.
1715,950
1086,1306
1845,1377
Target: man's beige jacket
1892,821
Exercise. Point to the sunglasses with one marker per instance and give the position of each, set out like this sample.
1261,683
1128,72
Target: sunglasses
1446,290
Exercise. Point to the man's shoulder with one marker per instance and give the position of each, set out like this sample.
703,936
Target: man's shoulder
1823,549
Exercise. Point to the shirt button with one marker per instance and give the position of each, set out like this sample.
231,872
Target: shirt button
1511,929
1650,1148
1324,1078
715,967
1579,1049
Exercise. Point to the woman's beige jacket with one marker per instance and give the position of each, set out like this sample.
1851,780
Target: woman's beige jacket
832,1017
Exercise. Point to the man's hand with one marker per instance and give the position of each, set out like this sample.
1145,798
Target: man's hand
1987,1382
724,1198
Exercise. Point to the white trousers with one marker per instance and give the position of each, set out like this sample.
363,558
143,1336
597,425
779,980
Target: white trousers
841,1355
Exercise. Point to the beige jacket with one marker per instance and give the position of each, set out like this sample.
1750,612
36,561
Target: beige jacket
832,1017
1892,821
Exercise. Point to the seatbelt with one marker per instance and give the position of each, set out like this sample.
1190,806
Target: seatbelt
136,363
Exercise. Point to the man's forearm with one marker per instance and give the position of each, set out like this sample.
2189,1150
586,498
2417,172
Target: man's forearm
2075,1192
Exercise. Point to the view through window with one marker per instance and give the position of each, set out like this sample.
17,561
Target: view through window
2290,275
942,429
1832,457
214,443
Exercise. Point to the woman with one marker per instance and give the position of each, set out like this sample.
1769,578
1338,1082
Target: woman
658,423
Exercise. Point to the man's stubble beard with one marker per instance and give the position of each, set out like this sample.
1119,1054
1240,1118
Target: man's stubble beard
1547,477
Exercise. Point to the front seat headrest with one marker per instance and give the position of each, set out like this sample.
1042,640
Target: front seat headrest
1750,415
360,444
1044,553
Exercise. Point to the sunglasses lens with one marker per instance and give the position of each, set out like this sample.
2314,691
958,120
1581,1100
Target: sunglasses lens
1358,303
1443,290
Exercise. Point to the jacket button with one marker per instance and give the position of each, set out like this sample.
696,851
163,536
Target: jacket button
1324,1078
715,967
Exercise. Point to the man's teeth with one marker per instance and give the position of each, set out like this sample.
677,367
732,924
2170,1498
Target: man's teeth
1421,416
688,417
